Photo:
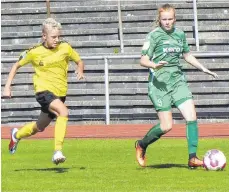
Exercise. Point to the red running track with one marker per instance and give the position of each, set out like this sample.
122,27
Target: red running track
126,131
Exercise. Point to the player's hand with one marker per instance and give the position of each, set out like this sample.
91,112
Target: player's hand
214,75
160,64
80,75
7,92
211,73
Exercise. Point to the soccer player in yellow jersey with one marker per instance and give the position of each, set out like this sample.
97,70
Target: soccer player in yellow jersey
50,60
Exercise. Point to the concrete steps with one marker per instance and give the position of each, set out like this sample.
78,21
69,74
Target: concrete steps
100,16
92,29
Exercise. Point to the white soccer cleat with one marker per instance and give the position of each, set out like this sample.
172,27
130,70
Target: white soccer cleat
13,141
58,157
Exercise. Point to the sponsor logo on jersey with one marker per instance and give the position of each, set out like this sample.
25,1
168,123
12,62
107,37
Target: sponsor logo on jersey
172,50
180,41
41,63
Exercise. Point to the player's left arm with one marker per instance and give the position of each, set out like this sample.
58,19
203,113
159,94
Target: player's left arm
80,70
194,62
74,56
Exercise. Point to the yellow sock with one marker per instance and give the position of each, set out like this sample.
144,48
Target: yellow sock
60,130
26,131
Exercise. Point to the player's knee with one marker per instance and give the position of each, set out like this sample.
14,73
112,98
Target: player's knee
191,119
166,127
64,112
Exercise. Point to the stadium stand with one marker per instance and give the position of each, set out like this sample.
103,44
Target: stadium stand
92,27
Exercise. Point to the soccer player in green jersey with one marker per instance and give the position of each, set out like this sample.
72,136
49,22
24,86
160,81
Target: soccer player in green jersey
167,84
50,61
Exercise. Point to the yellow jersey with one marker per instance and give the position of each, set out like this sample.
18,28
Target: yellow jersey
51,66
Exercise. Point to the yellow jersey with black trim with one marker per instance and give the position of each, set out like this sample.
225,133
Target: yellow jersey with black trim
51,66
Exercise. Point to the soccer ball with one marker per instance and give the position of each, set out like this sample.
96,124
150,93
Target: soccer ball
214,160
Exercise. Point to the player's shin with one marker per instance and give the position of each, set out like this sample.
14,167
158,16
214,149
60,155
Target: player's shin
192,137
153,135
27,130
60,130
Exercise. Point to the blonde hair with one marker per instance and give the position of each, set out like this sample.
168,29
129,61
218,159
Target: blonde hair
50,23
163,8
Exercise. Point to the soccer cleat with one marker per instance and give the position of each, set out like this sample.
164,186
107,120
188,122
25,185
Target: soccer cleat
140,154
195,162
13,141
58,157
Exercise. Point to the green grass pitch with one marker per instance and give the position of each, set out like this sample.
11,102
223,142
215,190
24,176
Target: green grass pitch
109,165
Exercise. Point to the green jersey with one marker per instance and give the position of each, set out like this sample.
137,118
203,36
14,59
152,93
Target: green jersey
165,46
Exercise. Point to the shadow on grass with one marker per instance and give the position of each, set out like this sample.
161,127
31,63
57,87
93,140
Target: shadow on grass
167,166
56,169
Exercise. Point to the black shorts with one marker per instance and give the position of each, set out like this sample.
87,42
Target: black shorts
44,98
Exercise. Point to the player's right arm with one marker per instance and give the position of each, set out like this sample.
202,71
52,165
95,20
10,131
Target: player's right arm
7,88
145,62
147,53
24,59
74,56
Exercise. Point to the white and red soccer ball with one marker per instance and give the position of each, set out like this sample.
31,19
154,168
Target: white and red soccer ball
214,160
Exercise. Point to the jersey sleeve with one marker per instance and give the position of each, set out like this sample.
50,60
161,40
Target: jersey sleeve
25,58
73,55
185,45
148,46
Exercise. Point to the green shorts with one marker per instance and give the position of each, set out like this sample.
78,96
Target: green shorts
173,91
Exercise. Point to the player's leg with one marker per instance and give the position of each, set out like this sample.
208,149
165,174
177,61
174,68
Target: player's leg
162,103
182,98
16,135
155,133
54,106
165,125
43,121
58,107
28,130
188,111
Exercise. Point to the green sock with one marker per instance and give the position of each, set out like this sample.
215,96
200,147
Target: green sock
153,135
192,137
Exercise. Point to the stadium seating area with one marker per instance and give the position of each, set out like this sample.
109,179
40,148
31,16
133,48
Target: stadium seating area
92,28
